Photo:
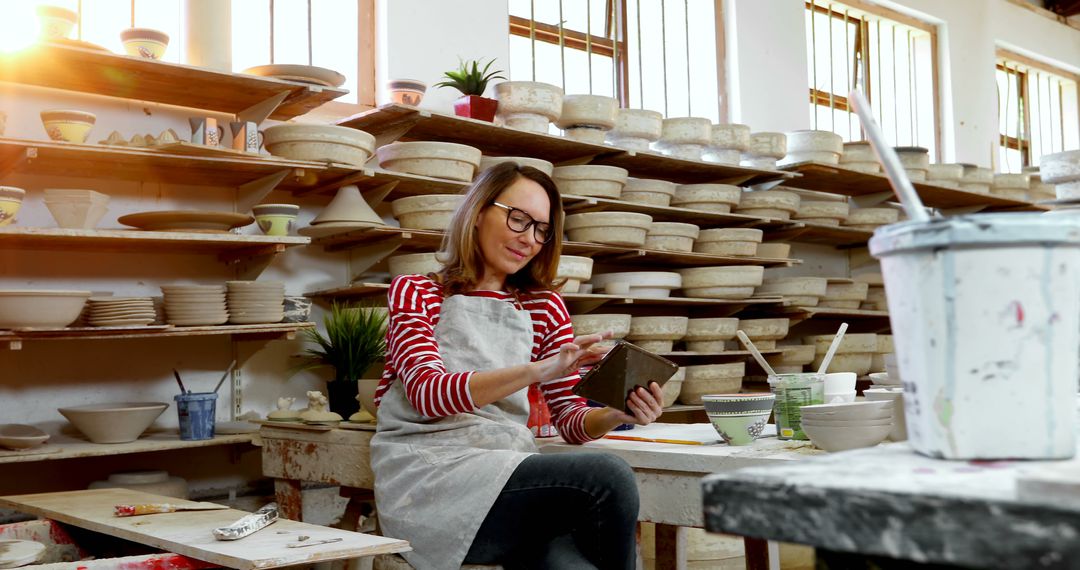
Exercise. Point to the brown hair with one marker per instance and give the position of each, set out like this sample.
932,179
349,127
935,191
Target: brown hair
460,252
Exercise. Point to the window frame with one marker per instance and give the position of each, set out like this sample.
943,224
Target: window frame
863,47
1023,144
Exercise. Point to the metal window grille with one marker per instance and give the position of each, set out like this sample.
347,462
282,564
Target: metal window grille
1037,111
654,54
891,61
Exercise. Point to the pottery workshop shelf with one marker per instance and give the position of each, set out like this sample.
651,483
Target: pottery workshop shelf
105,73
142,164
398,184
429,240
840,180
229,246
64,446
819,234
14,338
803,313
392,122
683,355
580,204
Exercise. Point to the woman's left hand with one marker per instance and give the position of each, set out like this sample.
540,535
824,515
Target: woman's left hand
646,405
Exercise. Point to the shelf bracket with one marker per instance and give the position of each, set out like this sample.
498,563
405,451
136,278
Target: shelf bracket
253,192
870,200
260,111
250,263
364,257
396,130
18,160
375,196
762,186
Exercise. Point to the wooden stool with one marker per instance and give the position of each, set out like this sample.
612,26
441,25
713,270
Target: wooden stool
396,562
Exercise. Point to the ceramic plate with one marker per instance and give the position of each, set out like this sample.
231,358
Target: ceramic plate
186,221
299,73
15,553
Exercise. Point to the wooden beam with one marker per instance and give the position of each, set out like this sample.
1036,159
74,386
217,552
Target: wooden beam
571,38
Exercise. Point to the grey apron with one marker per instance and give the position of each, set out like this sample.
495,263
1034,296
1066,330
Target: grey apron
436,478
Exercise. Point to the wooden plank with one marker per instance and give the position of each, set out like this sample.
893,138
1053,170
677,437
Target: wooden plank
144,165
189,533
816,233
106,73
69,445
16,237
273,330
840,180
829,312
336,456
577,204
647,164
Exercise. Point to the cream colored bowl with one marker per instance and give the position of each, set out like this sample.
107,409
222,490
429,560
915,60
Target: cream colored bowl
40,308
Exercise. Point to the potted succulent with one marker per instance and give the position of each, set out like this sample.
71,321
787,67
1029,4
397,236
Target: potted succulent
355,339
472,81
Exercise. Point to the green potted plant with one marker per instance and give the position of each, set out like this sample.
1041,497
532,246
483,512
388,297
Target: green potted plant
355,339
472,80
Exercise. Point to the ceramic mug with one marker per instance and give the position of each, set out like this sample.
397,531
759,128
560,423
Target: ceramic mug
246,136
275,219
206,131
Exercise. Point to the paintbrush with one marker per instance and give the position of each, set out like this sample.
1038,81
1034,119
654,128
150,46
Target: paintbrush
179,381
154,508
224,376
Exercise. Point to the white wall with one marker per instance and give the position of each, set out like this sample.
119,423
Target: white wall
421,39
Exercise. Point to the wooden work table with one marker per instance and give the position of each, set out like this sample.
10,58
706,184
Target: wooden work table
189,532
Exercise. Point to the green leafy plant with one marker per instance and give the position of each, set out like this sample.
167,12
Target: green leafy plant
355,339
469,78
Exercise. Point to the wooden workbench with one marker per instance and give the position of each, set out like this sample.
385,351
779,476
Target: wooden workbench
189,533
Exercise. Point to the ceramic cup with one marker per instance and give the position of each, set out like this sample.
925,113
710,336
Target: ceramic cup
275,219
56,22
144,42
406,91
10,201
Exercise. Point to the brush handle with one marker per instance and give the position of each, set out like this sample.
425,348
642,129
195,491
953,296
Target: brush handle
179,381
224,376
757,355
832,349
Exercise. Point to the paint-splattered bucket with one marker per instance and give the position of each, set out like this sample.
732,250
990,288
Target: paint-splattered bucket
196,415
985,314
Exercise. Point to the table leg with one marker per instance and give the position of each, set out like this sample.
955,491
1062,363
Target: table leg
357,498
757,553
289,499
671,546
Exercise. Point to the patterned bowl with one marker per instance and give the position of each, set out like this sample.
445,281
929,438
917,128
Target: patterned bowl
739,418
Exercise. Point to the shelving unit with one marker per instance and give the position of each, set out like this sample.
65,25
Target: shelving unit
14,338
228,246
847,182
818,234
578,204
392,122
105,73
64,446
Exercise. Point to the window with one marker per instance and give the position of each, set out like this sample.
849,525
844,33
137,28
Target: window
651,54
890,56
325,33
1037,111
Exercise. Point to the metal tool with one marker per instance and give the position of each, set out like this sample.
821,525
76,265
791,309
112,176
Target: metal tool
312,543
248,524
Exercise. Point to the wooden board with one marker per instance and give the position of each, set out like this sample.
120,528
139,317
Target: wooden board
840,180
106,73
184,147
285,330
189,533
705,220
71,445
19,237
44,449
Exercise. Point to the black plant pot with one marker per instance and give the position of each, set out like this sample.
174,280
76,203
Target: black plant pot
342,396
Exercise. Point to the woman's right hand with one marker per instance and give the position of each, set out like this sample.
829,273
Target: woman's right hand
572,356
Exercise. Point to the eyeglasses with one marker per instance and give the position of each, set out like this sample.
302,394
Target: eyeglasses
519,221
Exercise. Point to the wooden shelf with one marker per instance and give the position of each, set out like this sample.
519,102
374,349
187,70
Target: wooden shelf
106,73
679,355
15,337
831,313
430,240
840,180
578,204
143,164
392,122
230,245
373,179
65,444
815,233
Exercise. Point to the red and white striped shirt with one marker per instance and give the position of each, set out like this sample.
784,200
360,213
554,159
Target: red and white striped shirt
412,354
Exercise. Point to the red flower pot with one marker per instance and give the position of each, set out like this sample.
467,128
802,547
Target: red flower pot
476,107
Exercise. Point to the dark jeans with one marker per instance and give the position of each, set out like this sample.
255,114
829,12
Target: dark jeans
565,511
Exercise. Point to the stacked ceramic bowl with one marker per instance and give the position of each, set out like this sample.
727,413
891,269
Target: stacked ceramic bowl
721,282
431,158
850,425
120,311
617,324
685,137
869,219
895,395
587,118
718,198
635,129
414,264
947,175
728,144
648,191
74,208
615,228
855,353
576,270
976,179
705,379
885,348
813,146
1011,186
254,302
844,295
590,180
859,156
657,334
822,212
672,236
1063,170
764,150
797,291
729,241
765,332
792,359
776,204
195,305
875,292
709,334
916,161
651,284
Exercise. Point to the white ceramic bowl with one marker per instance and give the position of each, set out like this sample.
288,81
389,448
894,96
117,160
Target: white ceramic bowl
711,329
618,324
426,212
114,423
616,228
40,308
671,236
595,111
636,125
21,436
428,158
487,162
319,143
833,439
590,180
647,191
719,198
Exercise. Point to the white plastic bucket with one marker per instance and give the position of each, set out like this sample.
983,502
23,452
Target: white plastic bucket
985,313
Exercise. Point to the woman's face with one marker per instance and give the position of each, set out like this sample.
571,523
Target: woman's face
503,250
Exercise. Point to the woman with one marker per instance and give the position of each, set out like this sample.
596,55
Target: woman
457,472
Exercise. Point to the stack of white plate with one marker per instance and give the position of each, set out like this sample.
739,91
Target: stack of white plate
120,311
193,305
252,302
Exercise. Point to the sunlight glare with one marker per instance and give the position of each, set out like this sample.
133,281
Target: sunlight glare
18,28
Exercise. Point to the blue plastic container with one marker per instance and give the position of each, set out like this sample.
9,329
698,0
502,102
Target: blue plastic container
196,411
